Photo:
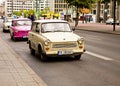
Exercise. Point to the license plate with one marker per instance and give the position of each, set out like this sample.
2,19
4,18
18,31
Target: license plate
25,36
65,52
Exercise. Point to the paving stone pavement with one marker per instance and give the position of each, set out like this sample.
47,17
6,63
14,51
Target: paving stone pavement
14,71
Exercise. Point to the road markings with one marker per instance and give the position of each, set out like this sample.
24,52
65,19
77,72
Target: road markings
98,56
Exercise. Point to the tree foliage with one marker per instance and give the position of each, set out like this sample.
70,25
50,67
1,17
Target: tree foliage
26,12
81,3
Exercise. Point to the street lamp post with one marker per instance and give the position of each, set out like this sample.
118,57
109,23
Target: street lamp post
114,15
23,3
36,5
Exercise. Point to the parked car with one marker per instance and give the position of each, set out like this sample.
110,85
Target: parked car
7,23
20,28
51,38
111,21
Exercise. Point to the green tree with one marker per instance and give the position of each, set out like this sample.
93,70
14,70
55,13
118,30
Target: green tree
80,4
17,13
26,12
44,12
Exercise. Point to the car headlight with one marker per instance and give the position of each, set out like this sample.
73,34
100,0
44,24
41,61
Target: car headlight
80,41
47,42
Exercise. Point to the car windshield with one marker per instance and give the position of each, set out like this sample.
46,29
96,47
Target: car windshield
55,27
9,19
23,22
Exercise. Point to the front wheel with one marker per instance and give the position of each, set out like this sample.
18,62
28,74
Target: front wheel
77,57
42,56
12,37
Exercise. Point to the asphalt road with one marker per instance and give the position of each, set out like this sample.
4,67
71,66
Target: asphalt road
99,65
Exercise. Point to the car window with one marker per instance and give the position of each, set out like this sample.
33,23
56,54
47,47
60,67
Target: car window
24,22
55,27
37,29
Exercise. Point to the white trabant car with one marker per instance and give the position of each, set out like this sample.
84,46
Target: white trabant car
54,38
7,23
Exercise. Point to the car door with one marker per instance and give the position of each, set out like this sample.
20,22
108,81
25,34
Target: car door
31,35
36,35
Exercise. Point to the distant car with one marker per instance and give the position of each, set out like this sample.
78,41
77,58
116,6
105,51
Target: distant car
7,23
54,38
20,28
111,21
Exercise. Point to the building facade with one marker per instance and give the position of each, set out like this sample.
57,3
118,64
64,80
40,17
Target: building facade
106,12
39,5
16,5
2,9
55,6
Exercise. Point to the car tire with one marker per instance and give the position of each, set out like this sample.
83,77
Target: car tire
32,51
42,56
77,57
11,36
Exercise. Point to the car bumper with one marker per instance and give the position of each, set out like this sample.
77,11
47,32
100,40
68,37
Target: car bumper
21,34
56,53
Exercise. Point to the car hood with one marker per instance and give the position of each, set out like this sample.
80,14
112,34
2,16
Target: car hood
61,36
22,27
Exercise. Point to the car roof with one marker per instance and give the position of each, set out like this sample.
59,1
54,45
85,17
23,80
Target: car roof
49,20
21,19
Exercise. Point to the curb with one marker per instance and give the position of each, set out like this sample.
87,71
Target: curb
115,33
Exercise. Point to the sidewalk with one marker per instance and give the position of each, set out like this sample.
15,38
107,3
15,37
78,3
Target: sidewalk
14,71
98,27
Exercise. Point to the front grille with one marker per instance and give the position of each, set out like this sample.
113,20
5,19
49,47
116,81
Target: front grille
65,45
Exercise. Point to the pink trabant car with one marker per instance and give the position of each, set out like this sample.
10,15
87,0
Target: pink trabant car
20,28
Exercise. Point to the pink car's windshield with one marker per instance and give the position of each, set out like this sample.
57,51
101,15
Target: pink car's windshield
24,22
8,19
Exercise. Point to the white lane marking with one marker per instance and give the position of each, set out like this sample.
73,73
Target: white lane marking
98,56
